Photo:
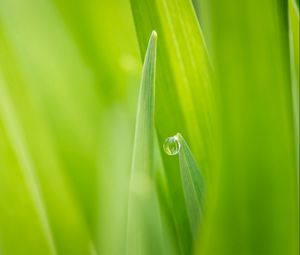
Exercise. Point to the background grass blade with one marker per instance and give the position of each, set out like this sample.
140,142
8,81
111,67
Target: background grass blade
256,205
40,169
184,101
39,83
11,133
144,229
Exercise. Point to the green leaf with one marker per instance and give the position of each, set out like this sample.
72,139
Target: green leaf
294,24
144,229
192,183
294,41
255,205
184,98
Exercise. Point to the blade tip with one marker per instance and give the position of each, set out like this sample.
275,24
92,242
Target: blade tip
154,34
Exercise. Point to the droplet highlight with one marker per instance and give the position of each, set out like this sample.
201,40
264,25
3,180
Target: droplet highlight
172,145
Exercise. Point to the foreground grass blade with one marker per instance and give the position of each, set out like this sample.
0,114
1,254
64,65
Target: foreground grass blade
294,40
294,24
192,179
193,185
144,229
256,208
184,98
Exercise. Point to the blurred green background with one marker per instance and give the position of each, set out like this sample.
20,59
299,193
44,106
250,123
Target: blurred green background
69,78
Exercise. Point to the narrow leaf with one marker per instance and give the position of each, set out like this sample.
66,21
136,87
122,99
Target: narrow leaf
192,183
191,177
15,137
294,24
143,229
255,210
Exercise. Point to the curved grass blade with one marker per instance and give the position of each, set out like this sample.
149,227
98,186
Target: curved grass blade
191,177
193,185
144,229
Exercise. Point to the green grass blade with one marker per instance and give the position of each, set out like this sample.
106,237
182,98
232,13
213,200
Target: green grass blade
193,185
294,40
294,25
144,229
256,204
15,137
184,98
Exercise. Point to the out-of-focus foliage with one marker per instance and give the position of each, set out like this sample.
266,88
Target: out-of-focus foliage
227,79
67,89
256,206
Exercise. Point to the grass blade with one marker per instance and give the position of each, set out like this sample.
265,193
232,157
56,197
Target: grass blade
185,100
143,229
256,204
15,136
294,24
191,177
193,185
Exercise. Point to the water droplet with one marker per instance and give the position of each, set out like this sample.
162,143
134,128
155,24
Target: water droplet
172,145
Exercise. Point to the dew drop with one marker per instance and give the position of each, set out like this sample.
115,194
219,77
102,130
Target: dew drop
172,145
